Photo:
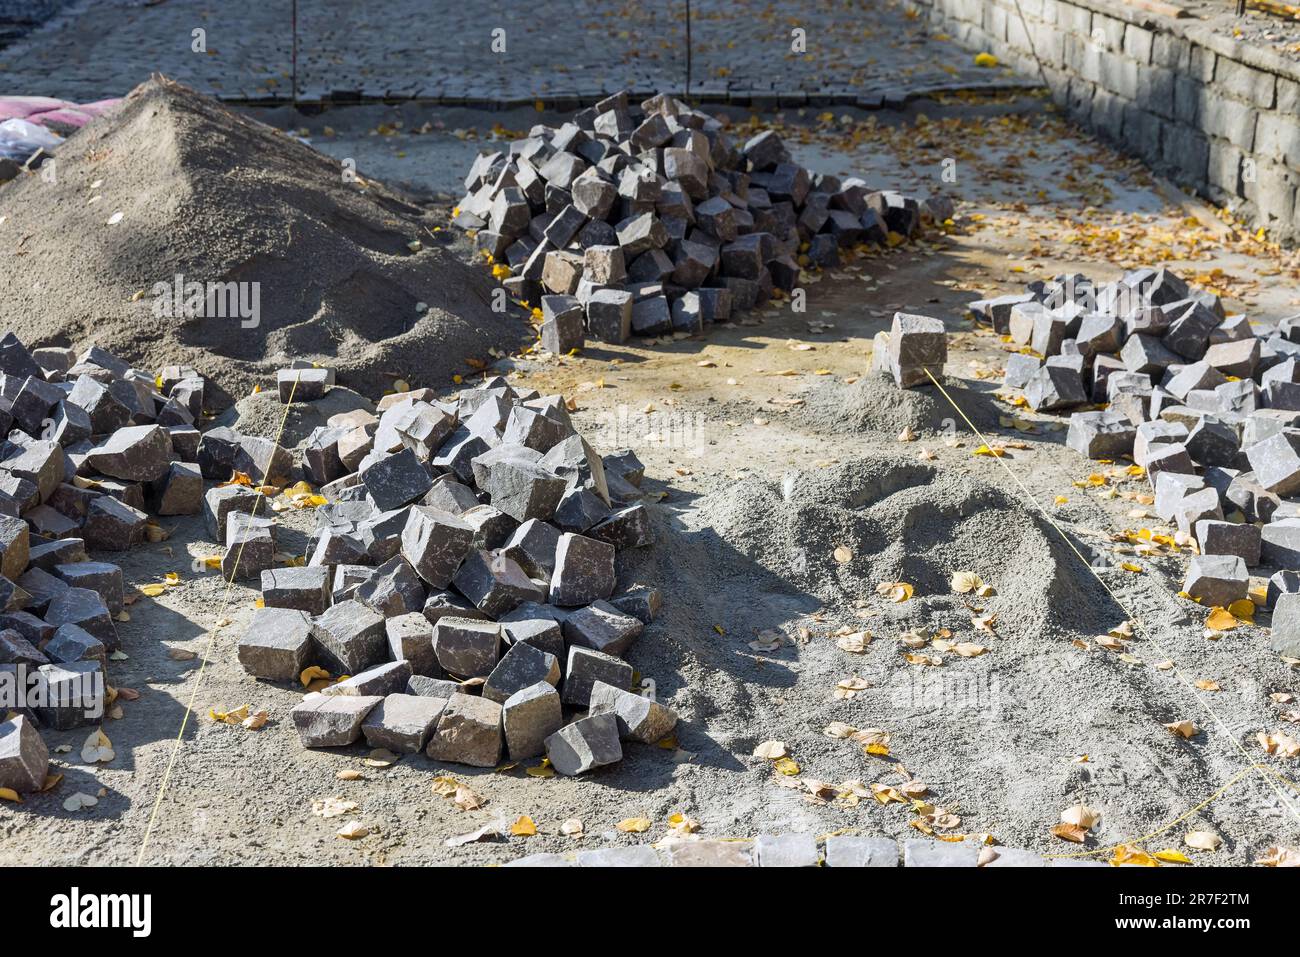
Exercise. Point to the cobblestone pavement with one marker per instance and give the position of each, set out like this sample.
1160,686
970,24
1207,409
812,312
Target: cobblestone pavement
554,50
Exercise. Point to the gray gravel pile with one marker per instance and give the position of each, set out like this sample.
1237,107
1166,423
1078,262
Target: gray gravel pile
461,589
1207,404
649,219
94,447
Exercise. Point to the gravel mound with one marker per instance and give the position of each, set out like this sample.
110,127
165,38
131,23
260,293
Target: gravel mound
873,405
196,191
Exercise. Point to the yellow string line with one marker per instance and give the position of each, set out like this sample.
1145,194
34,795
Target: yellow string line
207,651
1236,778
1178,672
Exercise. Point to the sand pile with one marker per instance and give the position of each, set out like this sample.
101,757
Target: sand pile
759,557
902,520
195,191
873,405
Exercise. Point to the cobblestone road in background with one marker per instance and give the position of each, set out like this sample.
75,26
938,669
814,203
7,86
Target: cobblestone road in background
554,50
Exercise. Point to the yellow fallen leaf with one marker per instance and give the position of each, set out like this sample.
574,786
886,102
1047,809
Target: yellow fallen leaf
152,590
787,766
312,673
1128,854
896,592
9,794
1170,856
1184,728
235,716
634,825
1243,609
986,60
1220,619
523,827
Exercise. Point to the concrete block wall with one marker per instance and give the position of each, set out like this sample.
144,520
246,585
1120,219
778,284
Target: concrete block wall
1211,112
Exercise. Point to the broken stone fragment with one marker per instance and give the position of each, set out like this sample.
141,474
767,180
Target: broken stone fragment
179,491
103,578
396,480
304,588
494,583
303,385
331,722
529,717
220,502
15,546
639,718
468,732
1276,462
24,759
1216,580
410,639
71,695
349,637
584,745
627,528
467,647
392,589
387,678
585,667
533,546
87,610
521,666
136,454
250,546
1217,537
435,542
584,570
602,627
402,723
1101,435
277,645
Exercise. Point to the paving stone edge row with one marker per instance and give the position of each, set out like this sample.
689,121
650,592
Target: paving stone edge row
804,850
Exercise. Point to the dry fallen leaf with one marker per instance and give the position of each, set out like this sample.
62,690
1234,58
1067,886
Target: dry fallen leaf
1184,728
843,554
1070,832
963,583
97,749
1203,840
79,800
771,750
895,591
353,830
1128,854
634,825
333,807
1080,815
1280,856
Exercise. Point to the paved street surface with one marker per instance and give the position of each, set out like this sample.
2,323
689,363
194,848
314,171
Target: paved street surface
554,49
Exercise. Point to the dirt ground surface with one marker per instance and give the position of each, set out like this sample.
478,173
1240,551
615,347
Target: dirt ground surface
768,447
